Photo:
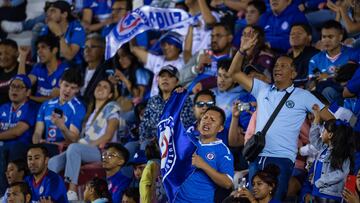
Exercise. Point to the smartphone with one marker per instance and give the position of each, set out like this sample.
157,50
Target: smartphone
350,183
110,72
58,112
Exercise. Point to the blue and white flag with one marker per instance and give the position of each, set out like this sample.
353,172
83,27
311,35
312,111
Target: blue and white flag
175,146
143,19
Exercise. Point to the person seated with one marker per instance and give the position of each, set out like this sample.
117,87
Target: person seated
138,162
46,74
277,23
114,158
96,14
44,183
96,191
60,119
131,195
17,121
264,187
101,123
15,172
19,192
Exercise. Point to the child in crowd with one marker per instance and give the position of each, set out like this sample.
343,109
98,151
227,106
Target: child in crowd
96,191
131,195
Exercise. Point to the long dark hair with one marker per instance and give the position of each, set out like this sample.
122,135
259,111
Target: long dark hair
269,175
101,188
131,71
341,142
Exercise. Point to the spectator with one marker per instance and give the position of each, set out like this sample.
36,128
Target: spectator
96,191
17,121
351,89
15,172
131,195
301,51
61,23
328,174
281,139
138,162
118,10
277,23
51,120
202,101
8,67
114,158
46,74
171,46
12,10
94,52
44,183
19,192
167,80
352,196
96,14
264,187
325,63
101,123
212,159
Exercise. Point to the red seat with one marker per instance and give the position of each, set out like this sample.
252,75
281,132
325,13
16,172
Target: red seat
89,171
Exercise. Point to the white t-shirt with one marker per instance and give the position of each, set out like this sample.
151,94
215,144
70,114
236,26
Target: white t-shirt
88,75
155,63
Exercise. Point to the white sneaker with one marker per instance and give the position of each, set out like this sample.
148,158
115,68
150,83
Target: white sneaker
72,196
11,27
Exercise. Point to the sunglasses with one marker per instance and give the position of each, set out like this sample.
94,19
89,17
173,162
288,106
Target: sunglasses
201,104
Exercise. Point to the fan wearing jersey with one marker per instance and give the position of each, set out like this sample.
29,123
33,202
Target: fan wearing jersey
60,119
212,160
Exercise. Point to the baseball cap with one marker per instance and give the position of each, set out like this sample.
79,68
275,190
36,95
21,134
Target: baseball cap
138,158
170,69
63,6
25,79
172,38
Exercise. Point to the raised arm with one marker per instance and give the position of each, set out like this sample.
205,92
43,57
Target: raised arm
206,13
236,139
139,52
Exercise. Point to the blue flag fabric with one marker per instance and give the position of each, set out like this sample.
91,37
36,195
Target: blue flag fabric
175,146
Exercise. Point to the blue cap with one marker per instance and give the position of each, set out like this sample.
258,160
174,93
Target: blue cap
25,79
138,158
172,38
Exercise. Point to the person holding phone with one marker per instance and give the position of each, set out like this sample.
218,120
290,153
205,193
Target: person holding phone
351,190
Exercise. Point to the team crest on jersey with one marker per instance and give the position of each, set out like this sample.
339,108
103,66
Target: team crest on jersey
53,82
166,143
290,104
41,190
285,25
3,114
332,69
18,114
210,156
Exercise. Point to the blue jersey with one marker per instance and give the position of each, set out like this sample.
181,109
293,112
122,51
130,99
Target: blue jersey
101,8
75,34
325,64
51,185
353,86
199,187
73,111
46,83
117,185
10,117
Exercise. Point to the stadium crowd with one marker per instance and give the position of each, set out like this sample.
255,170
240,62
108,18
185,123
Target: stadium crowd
77,127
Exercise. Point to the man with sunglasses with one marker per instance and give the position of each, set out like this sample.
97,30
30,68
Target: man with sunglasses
17,121
114,158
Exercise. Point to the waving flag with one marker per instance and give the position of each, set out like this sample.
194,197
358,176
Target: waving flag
176,148
142,19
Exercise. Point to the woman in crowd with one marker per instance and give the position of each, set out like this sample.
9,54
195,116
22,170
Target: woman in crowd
353,197
100,126
15,172
332,165
264,187
96,191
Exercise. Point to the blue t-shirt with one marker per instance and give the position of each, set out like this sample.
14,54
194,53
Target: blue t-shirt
73,111
199,187
101,8
322,61
10,117
50,185
46,83
75,34
353,86
117,185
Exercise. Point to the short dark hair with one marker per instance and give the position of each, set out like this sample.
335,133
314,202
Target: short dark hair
259,5
333,24
96,37
205,92
304,26
132,193
269,175
100,187
224,64
43,148
10,43
152,150
50,40
24,187
20,164
220,110
225,26
120,148
128,4
292,64
73,75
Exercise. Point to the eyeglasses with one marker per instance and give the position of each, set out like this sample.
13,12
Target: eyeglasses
12,86
201,104
109,155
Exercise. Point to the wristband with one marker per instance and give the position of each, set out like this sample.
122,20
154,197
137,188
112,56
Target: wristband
242,53
60,36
